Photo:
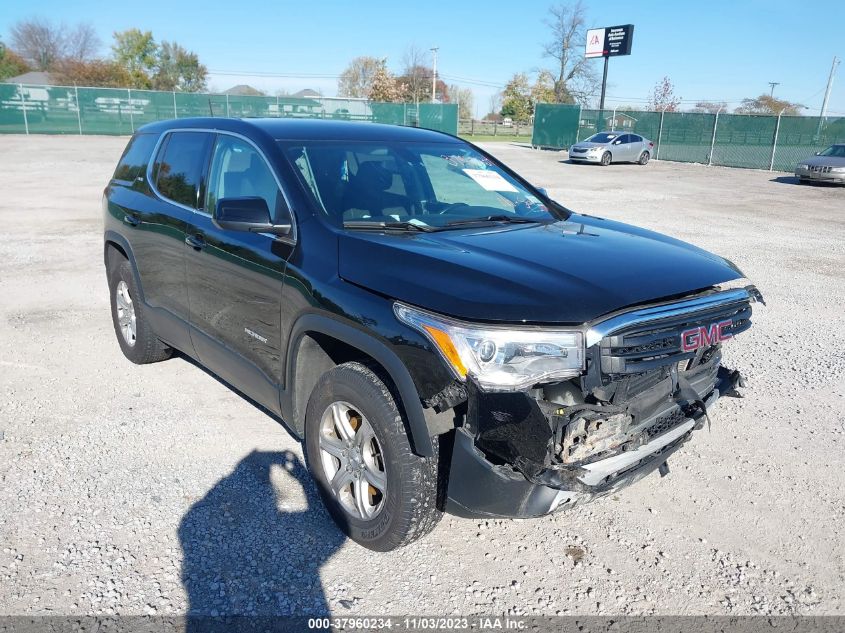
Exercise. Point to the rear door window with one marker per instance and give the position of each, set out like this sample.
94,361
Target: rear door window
135,158
179,166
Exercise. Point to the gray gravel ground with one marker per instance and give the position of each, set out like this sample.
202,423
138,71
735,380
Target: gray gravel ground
155,489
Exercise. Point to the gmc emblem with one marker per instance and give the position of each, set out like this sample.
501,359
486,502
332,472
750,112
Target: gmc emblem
703,336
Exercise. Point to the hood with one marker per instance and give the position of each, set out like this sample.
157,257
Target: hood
565,272
825,161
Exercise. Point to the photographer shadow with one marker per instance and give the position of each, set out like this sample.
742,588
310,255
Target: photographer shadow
248,548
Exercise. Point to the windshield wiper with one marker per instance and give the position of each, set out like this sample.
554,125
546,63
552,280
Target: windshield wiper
376,225
510,219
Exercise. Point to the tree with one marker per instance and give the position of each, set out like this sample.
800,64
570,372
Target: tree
137,52
710,107
178,69
97,73
516,98
465,100
416,76
357,79
543,90
385,87
81,43
767,104
574,80
43,45
663,97
11,63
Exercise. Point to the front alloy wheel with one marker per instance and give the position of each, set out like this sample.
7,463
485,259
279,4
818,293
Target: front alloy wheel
352,461
379,492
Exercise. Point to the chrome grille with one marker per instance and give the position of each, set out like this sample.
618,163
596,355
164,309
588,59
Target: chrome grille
643,346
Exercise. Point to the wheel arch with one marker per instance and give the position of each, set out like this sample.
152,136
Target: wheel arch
318,343
116,244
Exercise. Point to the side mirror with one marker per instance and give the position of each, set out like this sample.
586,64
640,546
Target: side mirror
616,142
246,214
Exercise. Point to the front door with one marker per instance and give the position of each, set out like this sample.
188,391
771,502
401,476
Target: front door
235,277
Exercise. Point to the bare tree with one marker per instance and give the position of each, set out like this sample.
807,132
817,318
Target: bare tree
663,97
357,79
385,87
39,42
464,98
574,80
416,75
82,43
43,44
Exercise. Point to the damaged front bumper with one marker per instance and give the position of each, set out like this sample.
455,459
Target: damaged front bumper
513,476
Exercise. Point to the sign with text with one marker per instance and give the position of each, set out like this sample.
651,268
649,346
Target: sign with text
610,41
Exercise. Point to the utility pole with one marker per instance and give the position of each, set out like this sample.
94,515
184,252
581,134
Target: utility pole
823,112
773,84
434,73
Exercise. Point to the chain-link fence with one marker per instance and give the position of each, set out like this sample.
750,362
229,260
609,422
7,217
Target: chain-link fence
27,109
732,140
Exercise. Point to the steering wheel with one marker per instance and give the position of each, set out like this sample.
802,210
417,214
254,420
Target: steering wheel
449,207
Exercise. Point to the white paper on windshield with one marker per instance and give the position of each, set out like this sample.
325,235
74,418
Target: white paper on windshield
490,180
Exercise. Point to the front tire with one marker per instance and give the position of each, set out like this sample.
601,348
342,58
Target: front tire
606,159
134,334
378,491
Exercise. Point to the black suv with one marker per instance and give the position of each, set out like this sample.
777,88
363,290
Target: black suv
441,333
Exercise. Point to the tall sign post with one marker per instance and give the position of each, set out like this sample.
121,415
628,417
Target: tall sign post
608,42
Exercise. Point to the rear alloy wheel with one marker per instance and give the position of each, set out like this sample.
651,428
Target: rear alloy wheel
606,159
644,158
135,335
378,491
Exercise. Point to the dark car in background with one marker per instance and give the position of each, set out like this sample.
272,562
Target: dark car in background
440,333
826,166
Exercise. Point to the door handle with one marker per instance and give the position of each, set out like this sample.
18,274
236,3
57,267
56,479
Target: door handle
197,242
131,219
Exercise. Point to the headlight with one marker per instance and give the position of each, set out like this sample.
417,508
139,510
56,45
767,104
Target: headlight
803,166
838,170
499,358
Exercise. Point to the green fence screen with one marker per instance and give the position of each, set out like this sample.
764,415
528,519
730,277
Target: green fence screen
555,125
758,142
26,109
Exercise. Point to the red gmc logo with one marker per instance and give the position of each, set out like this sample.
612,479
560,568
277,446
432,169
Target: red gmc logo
703,336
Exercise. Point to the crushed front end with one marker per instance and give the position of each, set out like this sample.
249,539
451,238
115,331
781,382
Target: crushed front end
650,376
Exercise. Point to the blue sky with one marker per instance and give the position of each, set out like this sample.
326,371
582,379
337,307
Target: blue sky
713,49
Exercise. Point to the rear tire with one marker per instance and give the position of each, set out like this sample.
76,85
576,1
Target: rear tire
644,157
384,496
606,159
134,334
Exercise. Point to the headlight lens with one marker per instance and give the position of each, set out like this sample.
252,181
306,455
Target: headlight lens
838,170
499,358
803,166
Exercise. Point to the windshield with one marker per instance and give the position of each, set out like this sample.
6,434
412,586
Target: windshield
411,185
834,150
602,137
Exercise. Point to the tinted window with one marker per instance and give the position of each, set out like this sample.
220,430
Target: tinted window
135,158
603,137
238,171
626,138
179,166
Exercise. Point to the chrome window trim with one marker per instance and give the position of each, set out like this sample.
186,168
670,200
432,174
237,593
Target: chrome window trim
642,316
290,239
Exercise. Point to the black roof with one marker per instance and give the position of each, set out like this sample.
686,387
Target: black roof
306,129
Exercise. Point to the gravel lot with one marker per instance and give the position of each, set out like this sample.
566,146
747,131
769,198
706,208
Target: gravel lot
131,490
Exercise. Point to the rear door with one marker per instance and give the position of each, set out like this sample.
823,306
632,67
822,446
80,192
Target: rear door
235,278
156,225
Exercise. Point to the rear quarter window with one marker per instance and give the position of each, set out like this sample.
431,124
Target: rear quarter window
135,157
179,166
